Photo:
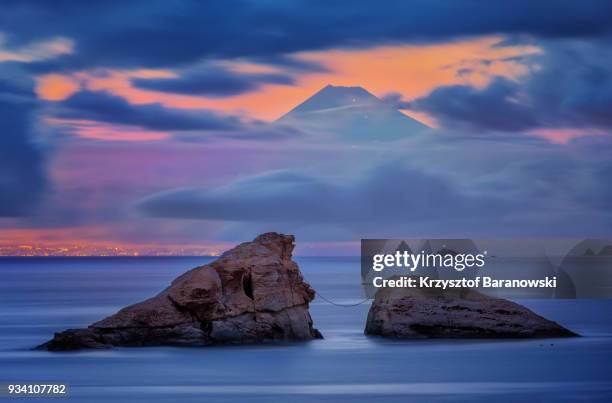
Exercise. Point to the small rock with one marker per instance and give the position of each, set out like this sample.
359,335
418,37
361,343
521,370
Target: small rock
407,313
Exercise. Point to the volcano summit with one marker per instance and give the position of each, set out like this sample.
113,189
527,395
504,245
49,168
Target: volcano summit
351,114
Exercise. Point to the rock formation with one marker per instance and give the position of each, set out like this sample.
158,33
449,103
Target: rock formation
252,293
407,313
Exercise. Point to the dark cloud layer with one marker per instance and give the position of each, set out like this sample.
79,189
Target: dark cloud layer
425,187
570,86
162,33
376,201
185,125
493,108
292,197
213,81
103,107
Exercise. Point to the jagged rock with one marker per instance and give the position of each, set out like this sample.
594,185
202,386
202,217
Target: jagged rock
252,293
407,313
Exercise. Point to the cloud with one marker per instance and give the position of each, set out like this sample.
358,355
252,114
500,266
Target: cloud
273,196
55,87
213,81
292,63
102,116
22,173
493,108
103,107
157,33
396,100
526,190
570,86
250,131
388,199
37,51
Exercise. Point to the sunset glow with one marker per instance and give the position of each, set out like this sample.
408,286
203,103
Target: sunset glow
389,69
210,123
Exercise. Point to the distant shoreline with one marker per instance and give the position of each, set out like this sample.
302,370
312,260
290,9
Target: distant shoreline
157,256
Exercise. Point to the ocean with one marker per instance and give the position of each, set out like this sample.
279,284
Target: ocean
40,296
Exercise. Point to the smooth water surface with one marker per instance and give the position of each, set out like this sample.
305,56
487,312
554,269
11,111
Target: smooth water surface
39,296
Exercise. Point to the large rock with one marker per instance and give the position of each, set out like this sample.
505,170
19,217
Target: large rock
252,293
408,313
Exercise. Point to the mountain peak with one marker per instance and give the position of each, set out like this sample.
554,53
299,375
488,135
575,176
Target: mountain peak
344,89
333,96
353,114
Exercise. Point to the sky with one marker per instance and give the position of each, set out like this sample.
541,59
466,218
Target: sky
152,126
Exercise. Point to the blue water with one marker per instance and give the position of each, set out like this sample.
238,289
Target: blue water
39,296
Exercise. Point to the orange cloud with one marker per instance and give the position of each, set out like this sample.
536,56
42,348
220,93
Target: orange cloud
56,87
110,132
412,70
415,71
36,51
565,135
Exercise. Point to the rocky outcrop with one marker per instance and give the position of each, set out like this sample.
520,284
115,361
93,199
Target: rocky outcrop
408,313
252,293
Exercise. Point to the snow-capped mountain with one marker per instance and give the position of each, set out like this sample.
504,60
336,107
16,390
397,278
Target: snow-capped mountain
351,114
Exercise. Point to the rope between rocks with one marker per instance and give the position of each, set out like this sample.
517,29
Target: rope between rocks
341,305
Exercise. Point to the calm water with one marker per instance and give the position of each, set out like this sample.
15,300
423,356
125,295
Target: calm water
42,296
